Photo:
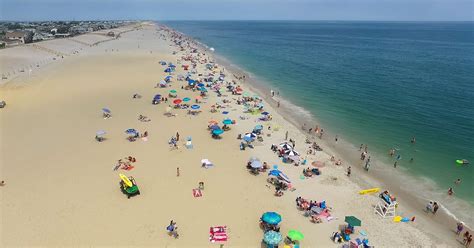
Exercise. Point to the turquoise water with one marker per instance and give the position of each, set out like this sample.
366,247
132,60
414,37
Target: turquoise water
376,83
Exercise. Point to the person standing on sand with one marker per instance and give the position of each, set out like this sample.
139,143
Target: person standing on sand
177,136
360,147
321,133
435,207
286,135
349,171
466,236
2,183
336,138
278,104
177,171
459,228
395,164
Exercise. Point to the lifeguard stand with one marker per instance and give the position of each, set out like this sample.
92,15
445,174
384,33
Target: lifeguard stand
385,209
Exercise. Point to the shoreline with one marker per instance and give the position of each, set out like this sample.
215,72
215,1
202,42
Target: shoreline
413,203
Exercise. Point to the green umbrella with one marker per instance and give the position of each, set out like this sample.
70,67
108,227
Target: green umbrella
173,91
353,221
295,235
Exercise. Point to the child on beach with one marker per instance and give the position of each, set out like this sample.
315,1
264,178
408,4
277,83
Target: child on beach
459,228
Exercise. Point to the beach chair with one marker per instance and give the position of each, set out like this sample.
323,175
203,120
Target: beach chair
189,144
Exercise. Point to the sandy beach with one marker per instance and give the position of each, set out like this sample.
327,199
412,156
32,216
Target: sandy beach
61,189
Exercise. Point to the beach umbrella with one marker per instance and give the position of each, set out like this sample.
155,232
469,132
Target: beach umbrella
157,97
106,110
214,127
200,85
173,91
195,106
274,172
100,133
177,101
218,132
198,97
227,122
272,238
225,112
318,164
271,218
286,146
265,113
258,127
256,164
284,177
131,131
247,138
191,83
168,77
353,221
295,235
291,153
186,99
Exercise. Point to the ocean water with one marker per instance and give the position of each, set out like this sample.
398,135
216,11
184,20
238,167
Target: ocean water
375,83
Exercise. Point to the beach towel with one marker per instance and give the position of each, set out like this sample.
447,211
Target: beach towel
197,193
218,234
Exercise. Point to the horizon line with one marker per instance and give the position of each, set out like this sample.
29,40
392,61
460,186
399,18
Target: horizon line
236,20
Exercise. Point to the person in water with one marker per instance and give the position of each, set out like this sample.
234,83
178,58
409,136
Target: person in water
413,140
450,191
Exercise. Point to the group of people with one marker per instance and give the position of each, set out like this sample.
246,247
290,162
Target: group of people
313,209
467,237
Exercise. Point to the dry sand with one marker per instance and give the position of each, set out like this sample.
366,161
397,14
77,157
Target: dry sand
61,190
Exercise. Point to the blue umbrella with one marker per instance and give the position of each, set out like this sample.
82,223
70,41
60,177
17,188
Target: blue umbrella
203,89
218,132
225,112
272,238
265,113
168,77
195,106
247,138
227,121
215,127
274,172
271,218
100,133
106,110
201,85
256,164
191,83
131,131
258,127
157,97
186,99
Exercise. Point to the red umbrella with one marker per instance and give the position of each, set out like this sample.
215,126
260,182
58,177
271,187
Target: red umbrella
177,101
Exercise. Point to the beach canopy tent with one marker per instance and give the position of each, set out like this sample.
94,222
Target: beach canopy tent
106,110
295,235
353,221
272,238
271,218
195,106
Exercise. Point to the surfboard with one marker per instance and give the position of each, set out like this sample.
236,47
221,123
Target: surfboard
126,180
369,191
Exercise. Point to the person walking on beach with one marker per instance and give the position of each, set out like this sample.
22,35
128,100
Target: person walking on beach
286,135
321,133
173,229
468,241
391,152
366,148
336,138
395,164
435,207
429,207
177,171
367,164
278,104
459,228
177,136
360,147
349,171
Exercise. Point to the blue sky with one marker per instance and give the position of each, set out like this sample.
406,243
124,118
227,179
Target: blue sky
389,10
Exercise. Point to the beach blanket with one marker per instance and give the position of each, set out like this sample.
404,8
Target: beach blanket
197,193
218,234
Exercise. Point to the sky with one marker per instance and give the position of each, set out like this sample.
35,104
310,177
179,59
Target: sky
381,10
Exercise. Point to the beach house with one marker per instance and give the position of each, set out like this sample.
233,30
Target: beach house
19,37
